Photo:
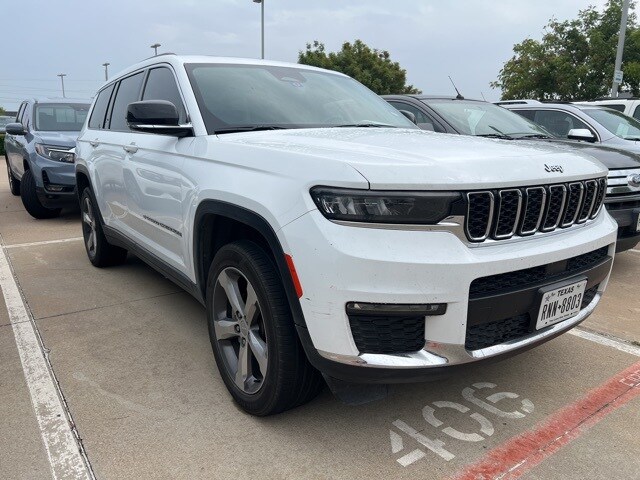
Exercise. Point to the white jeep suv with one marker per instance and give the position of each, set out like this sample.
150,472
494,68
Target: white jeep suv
324,232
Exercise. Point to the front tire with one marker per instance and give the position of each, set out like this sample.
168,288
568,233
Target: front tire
252,333
14,183
31,201
100,252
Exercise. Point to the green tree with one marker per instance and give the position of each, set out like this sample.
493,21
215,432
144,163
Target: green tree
371,67
2,111
575,58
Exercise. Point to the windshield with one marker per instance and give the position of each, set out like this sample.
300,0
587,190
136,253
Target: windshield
60,117
485,119
237,97
617,123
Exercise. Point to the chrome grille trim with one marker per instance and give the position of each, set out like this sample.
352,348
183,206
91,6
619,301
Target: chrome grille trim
601,194
569,204
556,221
470,195
516,220
494,215
591,188
543,206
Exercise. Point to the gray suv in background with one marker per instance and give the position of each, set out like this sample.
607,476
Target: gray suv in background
40,153
462,116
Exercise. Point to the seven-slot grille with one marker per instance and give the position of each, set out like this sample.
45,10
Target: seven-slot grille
501,214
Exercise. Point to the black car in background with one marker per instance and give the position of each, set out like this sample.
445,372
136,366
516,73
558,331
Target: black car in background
461,116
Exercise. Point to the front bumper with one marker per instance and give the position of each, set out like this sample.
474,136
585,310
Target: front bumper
625,211
338,264
55,181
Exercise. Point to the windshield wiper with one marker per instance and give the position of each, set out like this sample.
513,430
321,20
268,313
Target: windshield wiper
533,135
496,135
250,128
364,125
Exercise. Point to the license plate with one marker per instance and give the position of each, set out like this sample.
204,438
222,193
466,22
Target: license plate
560,303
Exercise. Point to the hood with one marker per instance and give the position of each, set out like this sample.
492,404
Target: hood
611,157
407,159
61,139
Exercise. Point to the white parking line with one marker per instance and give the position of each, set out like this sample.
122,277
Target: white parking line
65,454
45,242
634,251
607,341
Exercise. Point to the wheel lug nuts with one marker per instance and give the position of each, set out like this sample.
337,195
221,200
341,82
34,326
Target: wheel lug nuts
237,328
243,342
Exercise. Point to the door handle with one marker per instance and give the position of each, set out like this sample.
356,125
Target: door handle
130,148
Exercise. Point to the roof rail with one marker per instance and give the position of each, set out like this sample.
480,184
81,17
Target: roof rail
161,55
517,102
614,98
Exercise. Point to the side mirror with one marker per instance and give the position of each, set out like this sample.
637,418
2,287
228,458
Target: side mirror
581,134
156,116
426,126
409,115
15,129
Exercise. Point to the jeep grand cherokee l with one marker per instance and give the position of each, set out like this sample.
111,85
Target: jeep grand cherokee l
474,117
324,232
39,152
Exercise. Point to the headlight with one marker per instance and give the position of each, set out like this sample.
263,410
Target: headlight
60,154
384,206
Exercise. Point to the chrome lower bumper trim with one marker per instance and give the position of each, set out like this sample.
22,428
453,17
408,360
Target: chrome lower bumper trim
445,354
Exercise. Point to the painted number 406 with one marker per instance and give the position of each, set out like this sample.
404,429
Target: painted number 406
482,429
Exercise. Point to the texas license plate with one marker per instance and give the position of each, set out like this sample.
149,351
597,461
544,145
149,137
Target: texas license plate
560,303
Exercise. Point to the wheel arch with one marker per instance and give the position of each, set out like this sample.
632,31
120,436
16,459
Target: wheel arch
82,179
217,223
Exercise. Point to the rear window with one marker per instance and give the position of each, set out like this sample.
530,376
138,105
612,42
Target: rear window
60,117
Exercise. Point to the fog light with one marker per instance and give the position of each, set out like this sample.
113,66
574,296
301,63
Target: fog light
392,309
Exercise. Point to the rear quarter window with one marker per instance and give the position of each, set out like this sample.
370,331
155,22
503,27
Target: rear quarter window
99,112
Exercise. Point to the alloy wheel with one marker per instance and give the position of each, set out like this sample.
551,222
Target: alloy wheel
239,330
89,226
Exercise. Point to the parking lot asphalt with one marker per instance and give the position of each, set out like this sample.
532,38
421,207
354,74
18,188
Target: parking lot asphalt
131,361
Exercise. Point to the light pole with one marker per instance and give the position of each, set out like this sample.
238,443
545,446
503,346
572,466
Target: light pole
261,2
155,49
62,75
617,77
106,70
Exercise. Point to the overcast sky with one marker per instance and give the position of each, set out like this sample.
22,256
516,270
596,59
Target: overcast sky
467,39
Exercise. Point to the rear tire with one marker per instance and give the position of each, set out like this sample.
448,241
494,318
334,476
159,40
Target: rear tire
100,252
31,201
14,183
277,375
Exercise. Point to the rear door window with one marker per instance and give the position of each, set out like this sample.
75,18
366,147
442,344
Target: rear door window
100,109
636,113
128,92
